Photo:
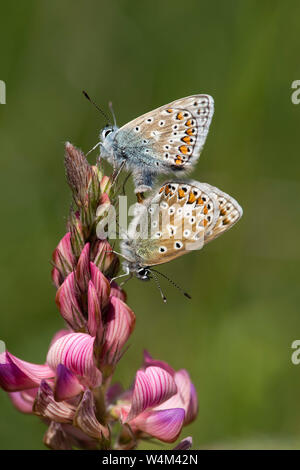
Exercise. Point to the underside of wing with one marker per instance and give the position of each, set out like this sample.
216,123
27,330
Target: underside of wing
173,134
230,213
178,216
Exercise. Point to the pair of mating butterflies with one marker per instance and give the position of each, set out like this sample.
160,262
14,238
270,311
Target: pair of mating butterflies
169,139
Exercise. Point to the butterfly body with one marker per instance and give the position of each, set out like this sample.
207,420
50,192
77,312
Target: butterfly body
168,139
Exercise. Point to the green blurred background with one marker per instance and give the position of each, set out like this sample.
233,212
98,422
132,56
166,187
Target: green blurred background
235,335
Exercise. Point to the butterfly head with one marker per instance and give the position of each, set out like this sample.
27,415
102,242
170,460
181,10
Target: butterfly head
106,138
141,272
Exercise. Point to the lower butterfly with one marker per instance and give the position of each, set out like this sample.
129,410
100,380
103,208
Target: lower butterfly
178,218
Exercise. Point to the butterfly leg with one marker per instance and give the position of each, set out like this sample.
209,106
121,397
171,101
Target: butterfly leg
121,275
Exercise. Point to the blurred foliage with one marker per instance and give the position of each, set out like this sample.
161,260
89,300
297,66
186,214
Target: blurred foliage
234,336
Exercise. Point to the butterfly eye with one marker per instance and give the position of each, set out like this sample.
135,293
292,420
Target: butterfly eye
106,132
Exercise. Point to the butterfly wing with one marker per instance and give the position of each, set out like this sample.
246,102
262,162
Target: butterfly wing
230,213
183,217
170,137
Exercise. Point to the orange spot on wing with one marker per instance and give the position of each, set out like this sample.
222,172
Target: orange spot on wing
181,193
190,131
183,149
191,198
167,191
169,110
161,189
179,116
205,210
205,222
200,201
186,139
178,160
188,122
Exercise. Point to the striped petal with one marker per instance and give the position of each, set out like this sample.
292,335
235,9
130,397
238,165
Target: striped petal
63,259
149,361
185,398
66,300
104,258
117,292
101,285
85,419
59,334
82,268
163,424
75,351
47,407
95,326
120,322
151,388
56,438
16,374
66,384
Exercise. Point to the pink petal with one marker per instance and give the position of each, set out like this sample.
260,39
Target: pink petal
117,292
104,258
185,444
85,419
120,322
23,401
66,384
66,300
47,407
63,259
185,398
16,374
75,351
192,410
56,437
101,285
82,269
163,424
149,361
151,388
59,334
105,184
94,313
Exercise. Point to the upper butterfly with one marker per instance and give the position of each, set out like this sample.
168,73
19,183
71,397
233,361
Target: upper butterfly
170,138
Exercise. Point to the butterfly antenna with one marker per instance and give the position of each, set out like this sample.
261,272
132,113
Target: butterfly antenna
173,283
96,106
112,112
159,288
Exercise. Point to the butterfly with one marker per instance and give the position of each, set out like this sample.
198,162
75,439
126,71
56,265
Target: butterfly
178,218
167,139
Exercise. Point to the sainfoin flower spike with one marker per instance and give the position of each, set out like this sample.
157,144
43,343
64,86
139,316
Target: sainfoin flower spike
72,391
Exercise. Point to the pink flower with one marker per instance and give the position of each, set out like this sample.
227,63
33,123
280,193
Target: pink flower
69,369
160,403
